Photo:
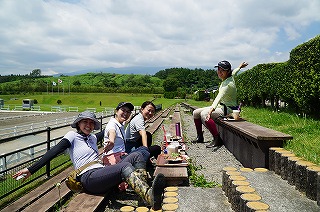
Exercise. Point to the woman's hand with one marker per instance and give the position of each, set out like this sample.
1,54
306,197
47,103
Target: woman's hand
108,145
24,172
243,64
208,116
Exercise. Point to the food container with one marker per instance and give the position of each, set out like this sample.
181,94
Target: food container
172,149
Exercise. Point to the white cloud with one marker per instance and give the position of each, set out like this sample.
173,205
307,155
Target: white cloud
64,36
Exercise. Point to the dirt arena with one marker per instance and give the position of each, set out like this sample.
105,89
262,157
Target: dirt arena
11,119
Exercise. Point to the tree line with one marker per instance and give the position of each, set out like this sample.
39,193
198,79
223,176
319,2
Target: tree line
173,81
295,82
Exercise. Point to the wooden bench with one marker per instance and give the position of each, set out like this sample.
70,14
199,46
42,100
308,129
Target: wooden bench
47,197
175,174
154,126
250,142
166,112
189,107
86,202
44,197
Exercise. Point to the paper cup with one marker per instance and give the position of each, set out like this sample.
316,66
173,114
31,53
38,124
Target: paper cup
236,114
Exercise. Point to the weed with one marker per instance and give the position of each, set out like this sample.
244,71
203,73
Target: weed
199,180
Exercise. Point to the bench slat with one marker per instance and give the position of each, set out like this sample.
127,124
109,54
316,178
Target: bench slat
255,131
155,125
85,203
46,202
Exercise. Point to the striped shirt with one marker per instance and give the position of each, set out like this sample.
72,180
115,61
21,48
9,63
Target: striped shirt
83,150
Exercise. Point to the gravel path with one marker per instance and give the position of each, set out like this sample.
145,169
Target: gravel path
212,161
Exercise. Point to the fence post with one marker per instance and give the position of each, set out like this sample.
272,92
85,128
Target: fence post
48,147
15,130
101,123
3,164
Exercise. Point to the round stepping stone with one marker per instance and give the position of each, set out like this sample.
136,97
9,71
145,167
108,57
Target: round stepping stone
235,195
233,173
142,209
170,200
247,197
171,188
260,170
240,183
236,177
256,206
151,210
246,170
169,207
127,209
170,194
229,168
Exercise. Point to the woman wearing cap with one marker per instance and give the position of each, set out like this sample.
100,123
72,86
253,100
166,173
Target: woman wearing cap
97,178
227,96
136,134
114,135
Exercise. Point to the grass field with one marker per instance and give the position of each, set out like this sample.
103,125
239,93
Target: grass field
305,131
86,100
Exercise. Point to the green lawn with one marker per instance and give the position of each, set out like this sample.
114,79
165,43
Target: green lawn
86,100
305,131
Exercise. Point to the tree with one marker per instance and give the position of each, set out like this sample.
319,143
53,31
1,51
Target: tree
170,84
35,73
76,83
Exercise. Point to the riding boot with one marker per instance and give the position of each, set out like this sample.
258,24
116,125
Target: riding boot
140,169
198,124
211,125
217,141
151,195
199,138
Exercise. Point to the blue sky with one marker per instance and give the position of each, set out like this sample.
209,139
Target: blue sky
68,36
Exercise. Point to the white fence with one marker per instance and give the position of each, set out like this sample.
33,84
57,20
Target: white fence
22,156
34,127
33,151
